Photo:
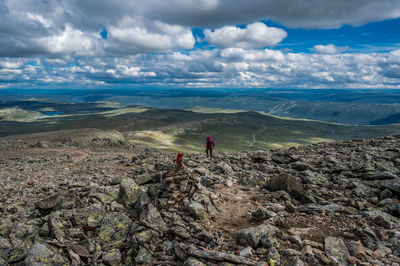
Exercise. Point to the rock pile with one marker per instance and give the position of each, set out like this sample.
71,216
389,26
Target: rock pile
322,204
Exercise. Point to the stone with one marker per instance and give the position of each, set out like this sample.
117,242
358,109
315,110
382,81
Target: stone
81,250
307,250
382,218
226,168
196,210
152,218
5,226
129,192
246,252
297,240
143,256
252,236
144,179
285,182
90,216
218,256
336,248
269,242
261,214
114,230
193,262
5,248
318,207
40,254
313,244
379,176
112,257
273,257
320,255
385,194
147,236
50,202
290,252
392,185
296,262
3,262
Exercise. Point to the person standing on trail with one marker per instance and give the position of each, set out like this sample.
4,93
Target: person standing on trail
210,144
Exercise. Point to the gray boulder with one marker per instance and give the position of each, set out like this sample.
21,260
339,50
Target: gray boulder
196,209
40,254
379,176
114,230
330,207
285,182
252,236
5,248
129,192
336,248
112,257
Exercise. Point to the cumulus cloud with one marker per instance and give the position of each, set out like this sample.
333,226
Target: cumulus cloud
230,67
328,49
60,42
139,35
139,26
256,35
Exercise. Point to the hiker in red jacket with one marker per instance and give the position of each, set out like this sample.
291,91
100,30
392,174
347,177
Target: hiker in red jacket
210,144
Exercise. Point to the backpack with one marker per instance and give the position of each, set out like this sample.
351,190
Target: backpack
210,143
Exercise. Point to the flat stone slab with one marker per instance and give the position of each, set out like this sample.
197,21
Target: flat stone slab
335,247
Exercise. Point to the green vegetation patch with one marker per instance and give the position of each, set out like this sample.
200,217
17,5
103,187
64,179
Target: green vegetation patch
18,114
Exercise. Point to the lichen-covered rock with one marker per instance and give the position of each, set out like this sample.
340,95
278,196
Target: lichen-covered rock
105,194
285,182
193,262
25,230
3,262
5,248
41,255
5,226
56,226
336,248
273,256
382,218
319,207
252,236
129,192
90,216
112,257
197,210
143,256
152,218
114,230
296,262
144,179
20,250
50,202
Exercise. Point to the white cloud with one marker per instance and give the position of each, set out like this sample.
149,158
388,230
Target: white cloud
228,67
256,35
70,41
140,35
328,49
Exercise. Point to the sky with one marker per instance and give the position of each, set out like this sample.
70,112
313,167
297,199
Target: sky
200,44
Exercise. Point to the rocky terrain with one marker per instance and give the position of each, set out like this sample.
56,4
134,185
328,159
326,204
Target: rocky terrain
103,201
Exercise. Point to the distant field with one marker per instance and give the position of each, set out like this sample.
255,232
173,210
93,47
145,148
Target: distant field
182,130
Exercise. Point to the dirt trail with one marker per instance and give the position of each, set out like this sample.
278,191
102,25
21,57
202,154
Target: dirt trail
258,132
237,201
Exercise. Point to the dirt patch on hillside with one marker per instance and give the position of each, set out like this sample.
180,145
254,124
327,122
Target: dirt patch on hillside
235,207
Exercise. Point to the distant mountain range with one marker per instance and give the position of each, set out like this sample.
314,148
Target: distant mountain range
179,130
355,107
